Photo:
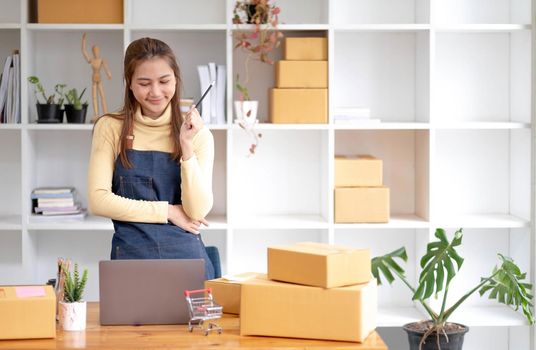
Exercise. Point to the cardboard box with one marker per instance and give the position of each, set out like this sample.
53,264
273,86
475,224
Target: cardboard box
299,106
361,204
305,49
27,312
226,290
319,264
358,171
301,74
271,308
79,11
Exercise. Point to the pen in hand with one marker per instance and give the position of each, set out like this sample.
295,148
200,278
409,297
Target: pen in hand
187,120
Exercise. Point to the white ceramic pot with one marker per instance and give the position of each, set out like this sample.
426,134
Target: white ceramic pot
246,111
73,316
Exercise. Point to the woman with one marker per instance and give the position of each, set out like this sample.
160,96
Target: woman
150,169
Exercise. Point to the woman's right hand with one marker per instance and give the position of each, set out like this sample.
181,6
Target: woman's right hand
178,217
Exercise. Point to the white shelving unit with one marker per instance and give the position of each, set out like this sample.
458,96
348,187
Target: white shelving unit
451,82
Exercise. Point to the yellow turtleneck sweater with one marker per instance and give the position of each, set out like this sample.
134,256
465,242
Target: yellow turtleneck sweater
149,135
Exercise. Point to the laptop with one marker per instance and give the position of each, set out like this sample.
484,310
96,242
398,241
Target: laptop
136,292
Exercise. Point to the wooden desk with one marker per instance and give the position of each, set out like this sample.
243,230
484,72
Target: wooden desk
175,337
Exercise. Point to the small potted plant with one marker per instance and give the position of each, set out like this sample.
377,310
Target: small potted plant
257,41
50,110
75,109
72,308
506,283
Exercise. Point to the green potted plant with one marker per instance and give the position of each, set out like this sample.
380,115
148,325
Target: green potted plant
506,284
257,40
75,109
48,111
72,308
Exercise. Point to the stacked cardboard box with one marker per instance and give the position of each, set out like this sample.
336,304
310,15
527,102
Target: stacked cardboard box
313,291
360,196
301,79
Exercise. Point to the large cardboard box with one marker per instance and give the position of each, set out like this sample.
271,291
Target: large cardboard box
226,290
299,106
305,49
79,11
271,308
301,74
361,204
362,170
319,264
27,312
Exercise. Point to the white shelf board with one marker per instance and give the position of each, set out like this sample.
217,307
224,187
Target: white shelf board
73,26
297,221
10,26
403,27
382,126
10,127
10,222
486,316
482,28
179,27
397,316
95,223
481,221
481,125
395,221
270,126
58,126
284,27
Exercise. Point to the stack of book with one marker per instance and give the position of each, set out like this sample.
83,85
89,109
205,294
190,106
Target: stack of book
56,203
212,108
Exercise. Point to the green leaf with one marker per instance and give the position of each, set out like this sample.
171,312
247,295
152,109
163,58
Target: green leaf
387,266
438,262
506,285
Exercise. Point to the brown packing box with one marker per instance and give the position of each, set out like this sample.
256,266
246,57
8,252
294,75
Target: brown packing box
279,309
26,317
226,291
361,204
299,106
301,74
319,264
363,170
305,49
79,11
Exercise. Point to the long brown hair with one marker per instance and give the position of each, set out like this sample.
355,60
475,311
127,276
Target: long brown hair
137,52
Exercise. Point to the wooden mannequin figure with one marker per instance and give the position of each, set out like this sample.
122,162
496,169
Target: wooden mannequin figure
97,89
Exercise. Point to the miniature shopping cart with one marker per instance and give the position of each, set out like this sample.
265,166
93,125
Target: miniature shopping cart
201,309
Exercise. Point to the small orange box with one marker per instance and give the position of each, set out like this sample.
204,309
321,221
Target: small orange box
299,106
362,170
361,204
305,49
301,74
226,291
27,316
79,11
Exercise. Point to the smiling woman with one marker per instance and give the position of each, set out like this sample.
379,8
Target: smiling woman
150,168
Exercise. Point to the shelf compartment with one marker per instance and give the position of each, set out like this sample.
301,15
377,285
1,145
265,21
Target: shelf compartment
405,156
286,177
482,77
10,12
217,238
163,12
250,246
279,222
292,11
9,41
11,170
365,76
219,180
61,61
192,49
484,174
375,11
481,11
10,254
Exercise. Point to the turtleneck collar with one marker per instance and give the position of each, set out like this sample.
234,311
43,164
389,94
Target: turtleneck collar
164,119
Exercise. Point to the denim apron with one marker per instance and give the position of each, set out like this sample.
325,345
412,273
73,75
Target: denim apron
154,176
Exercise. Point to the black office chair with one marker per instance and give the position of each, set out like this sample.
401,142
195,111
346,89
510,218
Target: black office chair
214,256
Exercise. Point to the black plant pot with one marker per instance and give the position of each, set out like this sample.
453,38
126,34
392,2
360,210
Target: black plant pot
455,339
76,116
49,113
